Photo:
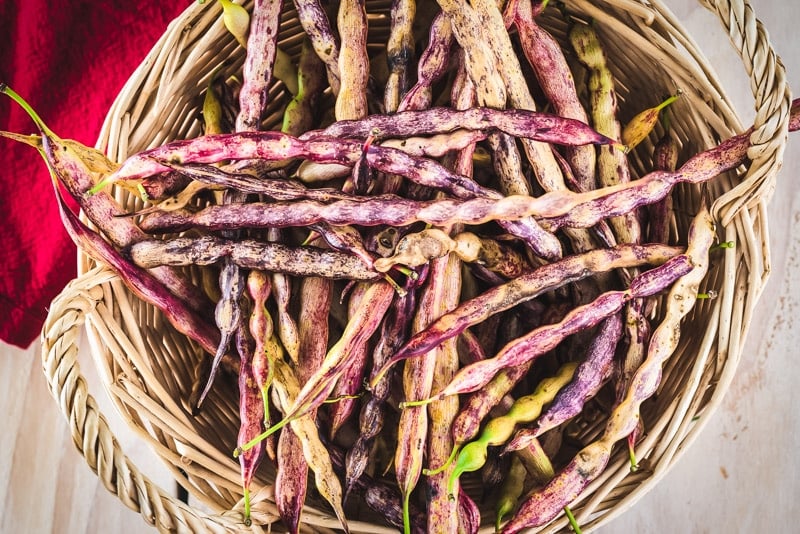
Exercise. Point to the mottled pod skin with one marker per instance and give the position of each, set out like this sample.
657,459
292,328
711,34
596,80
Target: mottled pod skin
555,78
394,330
417,379
335,146
544,504
291,479
78,168
251,414
258,64
251,254
532,284
317,26
590,375
545,338
555,209
144,285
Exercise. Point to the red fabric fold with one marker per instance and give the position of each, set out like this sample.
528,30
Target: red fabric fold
68,59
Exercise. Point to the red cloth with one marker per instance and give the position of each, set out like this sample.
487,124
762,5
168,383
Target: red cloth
68,59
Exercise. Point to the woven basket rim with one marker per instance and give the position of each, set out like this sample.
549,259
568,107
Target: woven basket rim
739,211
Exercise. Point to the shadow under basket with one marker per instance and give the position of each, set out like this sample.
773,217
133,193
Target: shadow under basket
148,369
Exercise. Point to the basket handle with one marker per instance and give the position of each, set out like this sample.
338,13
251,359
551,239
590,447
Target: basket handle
772,104
89,427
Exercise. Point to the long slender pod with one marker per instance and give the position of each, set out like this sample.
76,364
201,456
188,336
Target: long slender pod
399,52
320,384
496,394
227,315
432,65
351,380
250,413
443,512
545,338
266,349
351,101
78,168
530,285
497,431
314,450
262,46
544,504
252,254
555,78
394,330
590,375
417,383
317,26
612,164
291,479
282,294
144,285
411,122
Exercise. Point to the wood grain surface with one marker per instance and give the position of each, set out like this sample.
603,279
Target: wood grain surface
741,474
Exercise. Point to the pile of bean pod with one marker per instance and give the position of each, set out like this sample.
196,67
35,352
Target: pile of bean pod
420,283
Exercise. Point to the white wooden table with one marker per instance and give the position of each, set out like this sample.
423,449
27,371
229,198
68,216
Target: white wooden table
741,474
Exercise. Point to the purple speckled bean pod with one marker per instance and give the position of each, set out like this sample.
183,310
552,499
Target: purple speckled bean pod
443,513
319,385
251,254
659,214
469,514
352,378
556,209
261,329
468,422
432,64
550,66
144,285
418,377
292,469
539,126
624,198
544,504
278,146
366,211
317,26
262,43
545,338
371,419
530,285
71,162
291,479
250,183
589,377
251,414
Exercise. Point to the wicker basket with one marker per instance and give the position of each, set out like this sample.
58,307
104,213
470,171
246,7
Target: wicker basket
146,366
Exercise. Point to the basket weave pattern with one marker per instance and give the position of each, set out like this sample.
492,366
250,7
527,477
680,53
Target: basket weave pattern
147,368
